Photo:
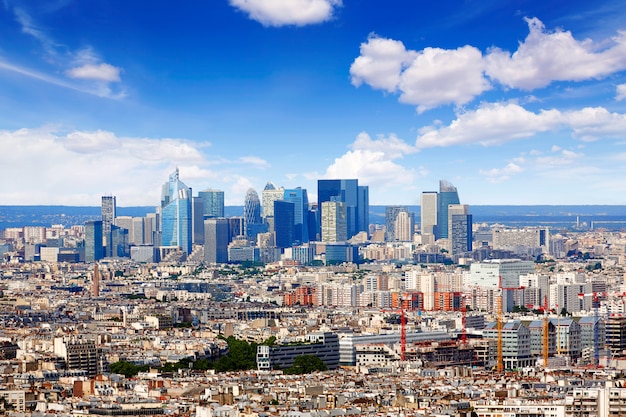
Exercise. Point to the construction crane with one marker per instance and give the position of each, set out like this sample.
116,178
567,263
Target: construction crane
596,305
463,321
546,329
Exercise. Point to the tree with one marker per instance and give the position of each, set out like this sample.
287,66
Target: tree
128,369
305,364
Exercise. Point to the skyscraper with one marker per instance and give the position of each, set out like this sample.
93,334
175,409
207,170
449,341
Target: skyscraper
109,212
216,239
270,194
197,224
403,227
213,201
284,228
176,216
300,199
253,223
349,193
447,195
459,228
391,214
334,222
94,249
428,221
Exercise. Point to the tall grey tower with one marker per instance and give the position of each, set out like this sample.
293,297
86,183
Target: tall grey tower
109,212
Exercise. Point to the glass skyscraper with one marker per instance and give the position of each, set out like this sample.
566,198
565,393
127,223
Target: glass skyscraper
447,195
93,241
213,201
355,199
300,199
253,223
109,212
176,219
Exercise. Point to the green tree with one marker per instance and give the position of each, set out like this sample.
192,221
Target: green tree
128,369
305,364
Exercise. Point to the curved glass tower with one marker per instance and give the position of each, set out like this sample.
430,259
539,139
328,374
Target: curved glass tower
176,217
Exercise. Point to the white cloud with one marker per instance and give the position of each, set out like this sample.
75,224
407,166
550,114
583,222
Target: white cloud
287,12
545,56
433,76
372,161
78,167
620,92
490,124
427,78
496,123
100,72
438,76
496,175
254,161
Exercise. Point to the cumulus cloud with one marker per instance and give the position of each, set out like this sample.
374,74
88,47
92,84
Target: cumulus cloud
287,12
432,77
77,167
100,72
496,175
496,123
254,161
545,56
373,162
620,92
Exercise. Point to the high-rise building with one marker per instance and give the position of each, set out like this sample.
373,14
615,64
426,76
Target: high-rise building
109,212
447,195
403,227
176,219
391,214
334,222
428,220
197,225
213,201
299,198
460,238
216,239
284,228
94,250
270,194
355,200
253,223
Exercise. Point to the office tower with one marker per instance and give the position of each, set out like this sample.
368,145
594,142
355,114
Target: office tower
270,194
94,250
197,224
109,212
391,214
334,222
216,239
253,224
403,227
363,207
150,228
136,234
235,227
447,195
459,228
120,242
428,212
284,215
176,227
300,199
213,202
347,192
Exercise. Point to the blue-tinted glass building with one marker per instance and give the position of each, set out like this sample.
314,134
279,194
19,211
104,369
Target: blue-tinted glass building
355,199
216,240
213,201
176,218
284,223
300,199
447,195
94,249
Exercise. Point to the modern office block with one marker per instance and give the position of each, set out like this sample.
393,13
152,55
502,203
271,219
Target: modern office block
176,219
94,250
213,201
300,199
284,228
216,239
447,195
109,212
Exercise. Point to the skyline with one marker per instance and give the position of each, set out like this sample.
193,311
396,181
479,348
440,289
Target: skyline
522,103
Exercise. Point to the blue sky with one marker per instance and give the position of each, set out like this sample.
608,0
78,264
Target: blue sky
514,102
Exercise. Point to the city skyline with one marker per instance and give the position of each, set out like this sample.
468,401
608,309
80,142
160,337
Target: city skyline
522,102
